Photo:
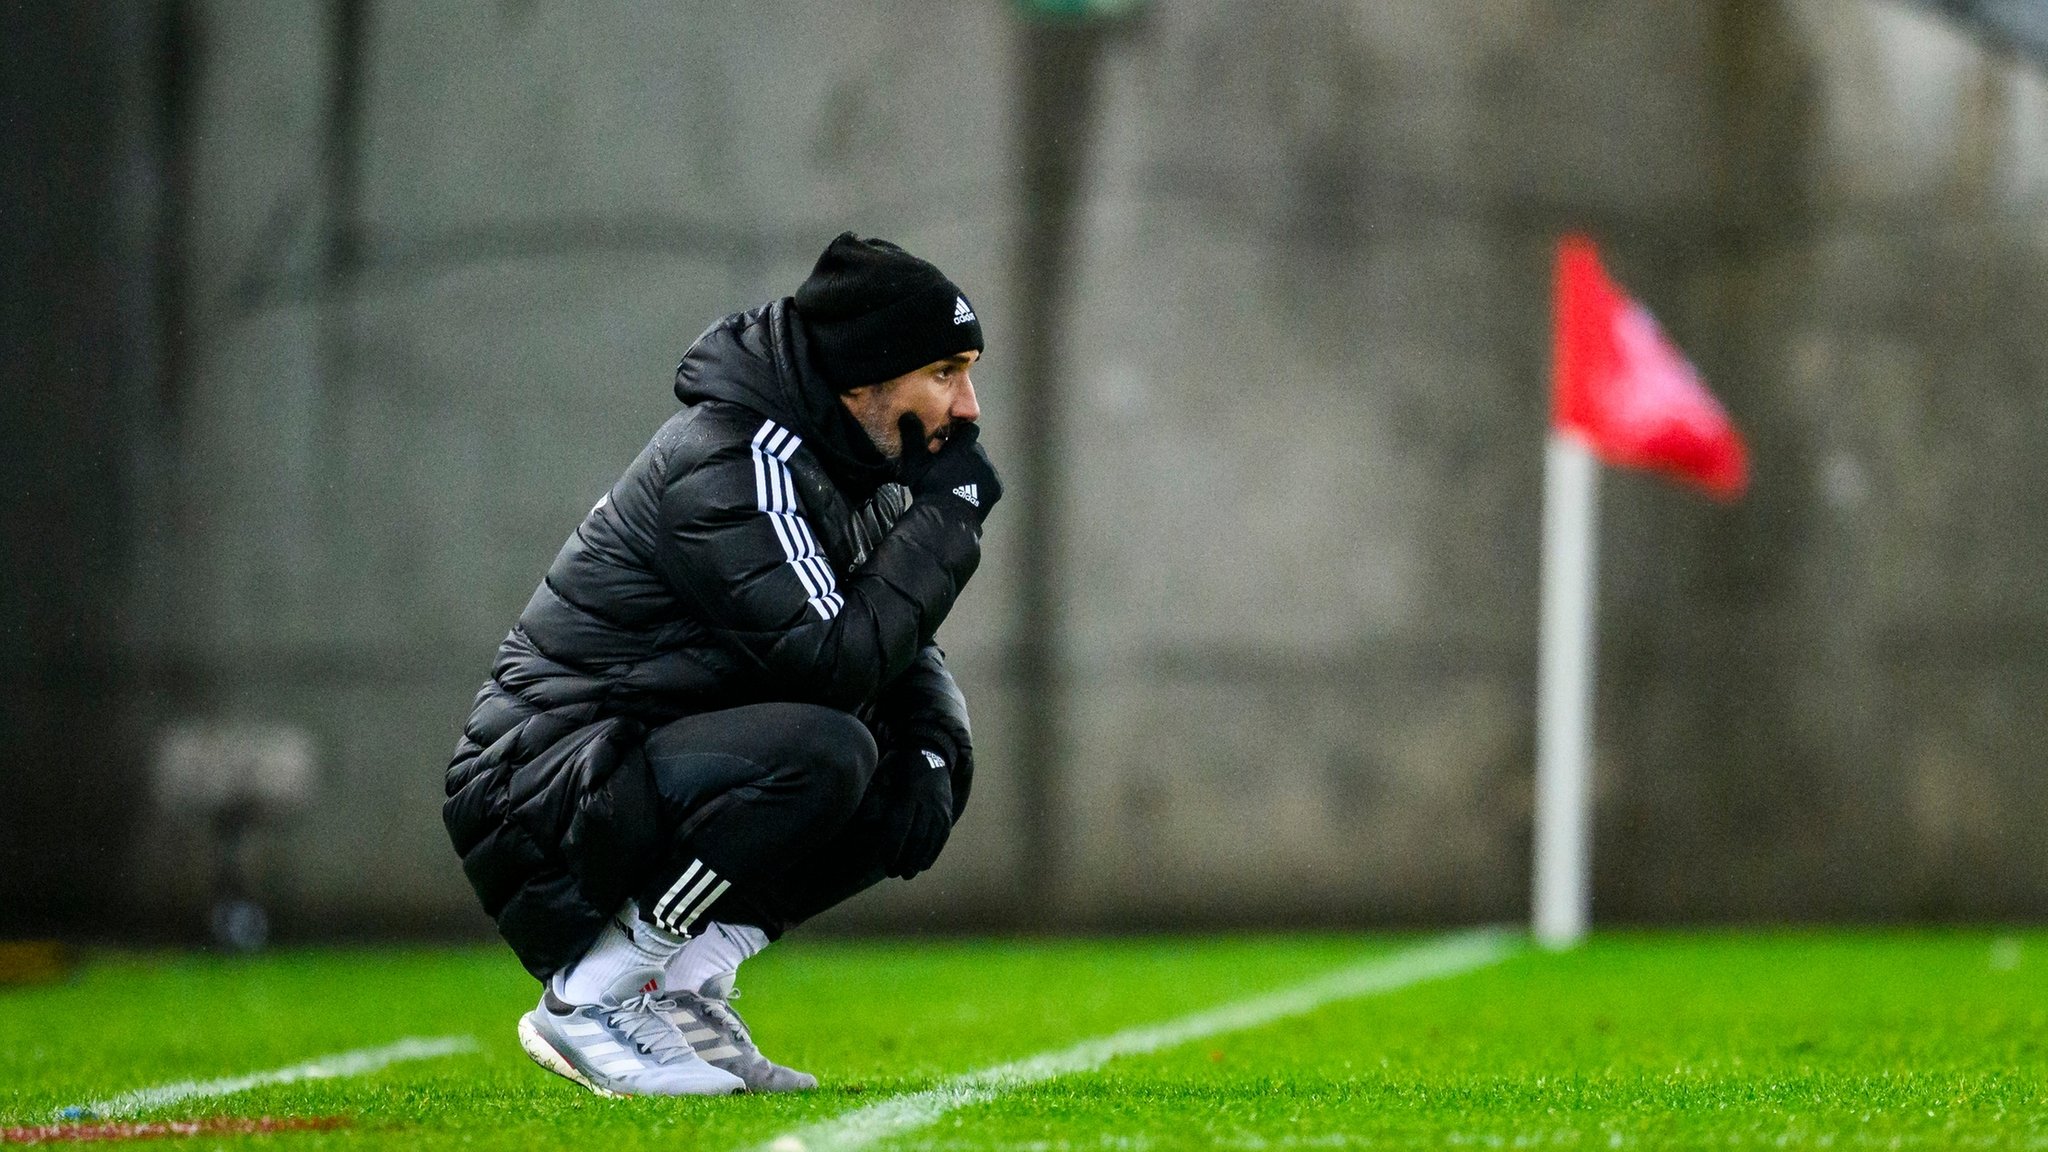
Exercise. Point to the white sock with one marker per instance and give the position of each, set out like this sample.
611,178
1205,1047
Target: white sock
712,957
628,955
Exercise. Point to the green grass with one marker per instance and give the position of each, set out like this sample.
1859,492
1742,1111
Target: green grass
1861,1040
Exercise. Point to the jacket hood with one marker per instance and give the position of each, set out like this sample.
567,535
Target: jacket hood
760,359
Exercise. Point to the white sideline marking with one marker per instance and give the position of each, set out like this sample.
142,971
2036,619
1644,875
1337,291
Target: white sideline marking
1446,956
356,1063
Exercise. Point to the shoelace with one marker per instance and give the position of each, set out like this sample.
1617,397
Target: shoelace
722,1011
641,1020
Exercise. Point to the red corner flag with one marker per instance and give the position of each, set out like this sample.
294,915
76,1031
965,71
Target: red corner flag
1620,386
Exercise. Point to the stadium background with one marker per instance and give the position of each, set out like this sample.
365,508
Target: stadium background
326,321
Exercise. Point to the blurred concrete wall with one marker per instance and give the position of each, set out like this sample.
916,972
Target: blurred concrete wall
440,260
78,343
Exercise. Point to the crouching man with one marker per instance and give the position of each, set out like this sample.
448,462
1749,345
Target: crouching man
722,711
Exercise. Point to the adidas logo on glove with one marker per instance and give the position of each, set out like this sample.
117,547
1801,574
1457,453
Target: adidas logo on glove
969,493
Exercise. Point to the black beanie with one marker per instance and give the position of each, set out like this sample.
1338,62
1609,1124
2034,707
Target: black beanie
874,312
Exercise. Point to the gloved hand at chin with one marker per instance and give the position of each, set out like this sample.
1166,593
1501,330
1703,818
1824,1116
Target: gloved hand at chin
960,471
919,814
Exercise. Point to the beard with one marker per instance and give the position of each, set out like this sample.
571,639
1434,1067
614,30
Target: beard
883,424
875,420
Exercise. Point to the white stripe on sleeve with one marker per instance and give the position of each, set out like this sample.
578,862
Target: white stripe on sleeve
775,495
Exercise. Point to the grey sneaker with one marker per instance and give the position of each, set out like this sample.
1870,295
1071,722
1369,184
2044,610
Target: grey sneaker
623,1049
721,1039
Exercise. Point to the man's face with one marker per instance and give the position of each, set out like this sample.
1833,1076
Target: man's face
940,394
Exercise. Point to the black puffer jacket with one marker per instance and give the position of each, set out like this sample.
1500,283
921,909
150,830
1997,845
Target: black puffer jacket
754,551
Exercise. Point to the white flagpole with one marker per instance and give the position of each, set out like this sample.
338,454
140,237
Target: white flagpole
1563,894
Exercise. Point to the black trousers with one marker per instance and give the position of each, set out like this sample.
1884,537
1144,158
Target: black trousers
770,813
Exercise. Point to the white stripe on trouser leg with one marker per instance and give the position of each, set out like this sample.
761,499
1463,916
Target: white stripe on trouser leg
674,915
675,921
661,907
703,905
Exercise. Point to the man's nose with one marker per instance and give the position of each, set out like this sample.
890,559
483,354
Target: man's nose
964,405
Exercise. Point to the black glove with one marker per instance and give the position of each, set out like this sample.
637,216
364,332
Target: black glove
959,470
919,814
